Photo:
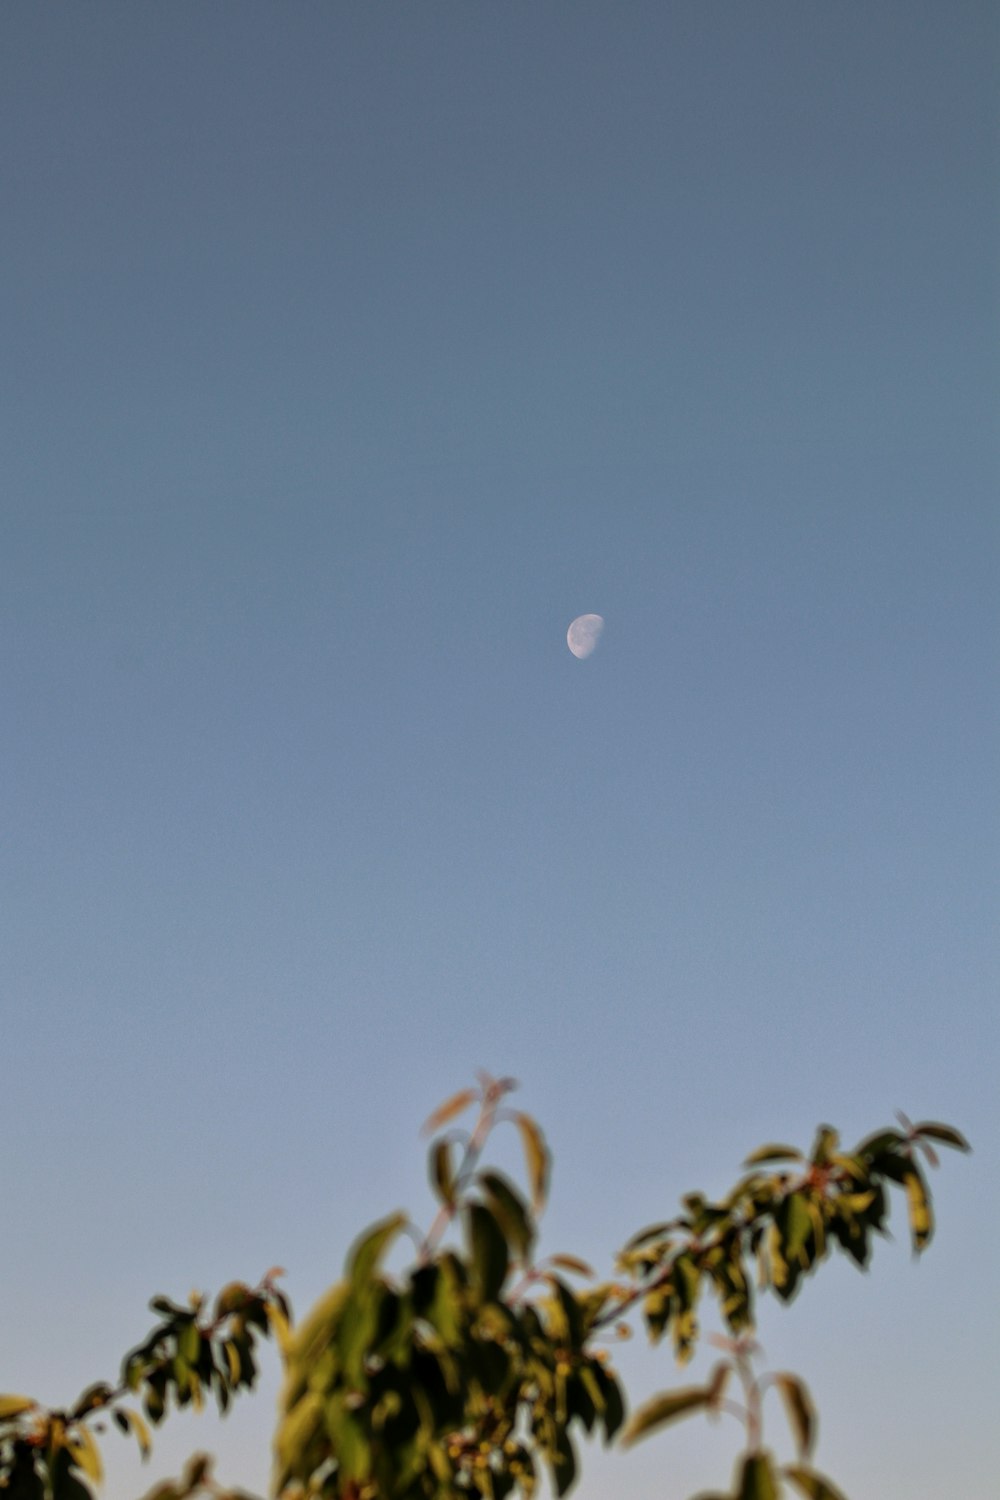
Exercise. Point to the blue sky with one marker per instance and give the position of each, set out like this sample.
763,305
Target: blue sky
349,352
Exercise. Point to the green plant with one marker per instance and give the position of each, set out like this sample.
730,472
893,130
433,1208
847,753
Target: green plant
471,1369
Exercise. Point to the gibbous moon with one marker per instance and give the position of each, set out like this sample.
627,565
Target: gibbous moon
583,635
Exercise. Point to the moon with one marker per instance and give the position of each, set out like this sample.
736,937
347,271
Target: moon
583,635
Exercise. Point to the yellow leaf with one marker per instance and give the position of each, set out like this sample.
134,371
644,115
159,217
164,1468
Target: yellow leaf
15,1406
449,1109
536,1158
279,1324
85,1454
138,1425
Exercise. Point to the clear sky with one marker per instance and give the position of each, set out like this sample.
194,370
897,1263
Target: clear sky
349,351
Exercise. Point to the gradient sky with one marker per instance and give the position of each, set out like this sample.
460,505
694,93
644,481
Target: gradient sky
349,351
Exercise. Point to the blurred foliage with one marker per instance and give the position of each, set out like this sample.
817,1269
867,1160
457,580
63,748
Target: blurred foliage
478,1366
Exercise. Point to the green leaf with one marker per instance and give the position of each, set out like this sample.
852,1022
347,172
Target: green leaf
795,1224
490,1256
93,1398
15,1406
563,1463
367,1251
943,1133
351,1445
85,1453
800,1410
663,1409
814,1486
757,1479
919,1204
774,1152
882,1143
536,1158
824,1146
510,1211
232,1297
443,1172
614,1402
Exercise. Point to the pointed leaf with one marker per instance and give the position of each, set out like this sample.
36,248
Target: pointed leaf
536,1158
85,1453
490,1256
510,1211
368,1250
15,1406
775,1152
663,1409
919,1203
943,1133
449,1109
814,1486
800,1410
131,1420
757,1478
443,1172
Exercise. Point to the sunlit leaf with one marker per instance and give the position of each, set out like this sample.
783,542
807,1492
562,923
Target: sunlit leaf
86,1454
776,1152
536,1158
15,1406
919,1203
663,1409
367,1251
131,1421
794,1225
449,1109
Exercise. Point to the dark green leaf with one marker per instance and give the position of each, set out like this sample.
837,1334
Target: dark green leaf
757,1478
443,1172
663,1409
943,1133
814,1486
511,1212
490,1257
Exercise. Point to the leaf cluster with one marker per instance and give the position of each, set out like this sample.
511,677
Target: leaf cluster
461,1376
782,1219
48,1454
471,1370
